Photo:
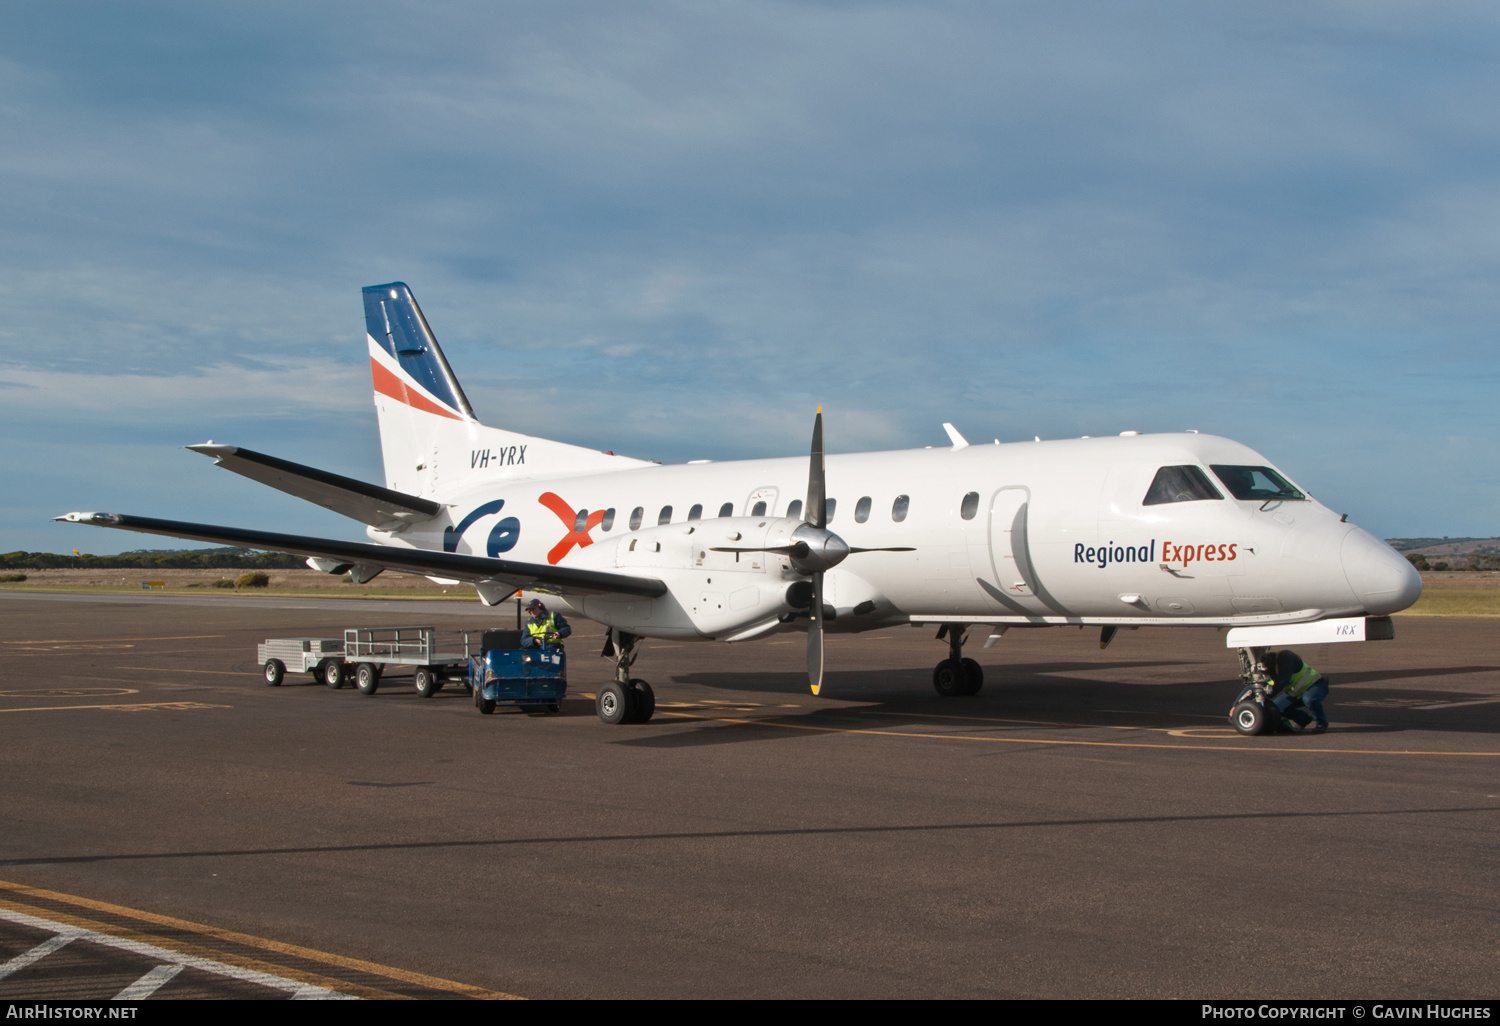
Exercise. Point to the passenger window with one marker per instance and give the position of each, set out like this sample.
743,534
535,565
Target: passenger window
580,521
609,519
898,508
862,510
970,506
1180,484
665,517
828,508
759,510
1258,483
696,513
794,511
726,510
636,516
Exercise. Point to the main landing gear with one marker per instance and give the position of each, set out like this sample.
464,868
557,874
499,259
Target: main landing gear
956,675
625,699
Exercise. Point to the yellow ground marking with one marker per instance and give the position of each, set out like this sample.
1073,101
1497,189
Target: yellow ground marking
249,940
81,641
1248,747
121,707
67,692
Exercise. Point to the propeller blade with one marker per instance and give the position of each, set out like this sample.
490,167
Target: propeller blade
816,511
887,548
815,637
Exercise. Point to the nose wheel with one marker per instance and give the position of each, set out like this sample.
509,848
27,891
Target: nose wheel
1252,713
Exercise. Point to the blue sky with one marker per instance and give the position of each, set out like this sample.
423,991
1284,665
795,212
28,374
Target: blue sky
670,229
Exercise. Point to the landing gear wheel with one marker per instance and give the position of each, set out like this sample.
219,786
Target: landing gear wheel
367,678
484,705
614,704
427,682
645,700
275,670
973,676
1249,718
949,679
335,674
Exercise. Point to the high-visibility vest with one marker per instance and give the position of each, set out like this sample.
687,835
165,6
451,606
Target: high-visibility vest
539,629
1301,681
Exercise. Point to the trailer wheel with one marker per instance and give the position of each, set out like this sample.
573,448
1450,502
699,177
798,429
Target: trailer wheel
334,673
367,678
427,681
1249,718
645,701
275,671
614,703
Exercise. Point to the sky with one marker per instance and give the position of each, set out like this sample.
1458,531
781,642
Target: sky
672,229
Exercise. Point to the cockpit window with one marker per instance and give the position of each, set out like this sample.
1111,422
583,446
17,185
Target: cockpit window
1180,484
1257,483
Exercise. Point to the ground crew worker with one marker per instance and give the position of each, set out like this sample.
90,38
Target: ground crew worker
1295,685
544,627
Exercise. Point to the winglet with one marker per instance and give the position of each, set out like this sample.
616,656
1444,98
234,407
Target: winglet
959,441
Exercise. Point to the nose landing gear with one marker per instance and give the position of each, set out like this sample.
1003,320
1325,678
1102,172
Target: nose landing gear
956,676
1253,712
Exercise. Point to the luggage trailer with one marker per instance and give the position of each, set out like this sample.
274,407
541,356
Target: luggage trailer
490,663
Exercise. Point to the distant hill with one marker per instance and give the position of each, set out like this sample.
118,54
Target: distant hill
1446,546
184,559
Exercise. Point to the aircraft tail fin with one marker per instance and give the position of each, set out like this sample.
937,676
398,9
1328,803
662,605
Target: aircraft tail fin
430,440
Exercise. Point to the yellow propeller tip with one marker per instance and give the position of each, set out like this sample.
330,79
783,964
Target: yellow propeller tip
820,408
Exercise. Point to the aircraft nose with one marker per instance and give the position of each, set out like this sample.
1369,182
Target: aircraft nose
1381,577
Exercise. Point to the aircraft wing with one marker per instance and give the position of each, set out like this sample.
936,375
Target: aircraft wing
556,580
370,504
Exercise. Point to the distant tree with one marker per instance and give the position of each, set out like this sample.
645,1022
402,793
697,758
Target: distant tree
1418,560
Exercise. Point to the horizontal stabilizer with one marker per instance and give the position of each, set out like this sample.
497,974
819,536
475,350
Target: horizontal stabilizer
554,580
381,508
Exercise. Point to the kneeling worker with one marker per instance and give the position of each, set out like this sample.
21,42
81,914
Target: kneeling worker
543,628
1296,685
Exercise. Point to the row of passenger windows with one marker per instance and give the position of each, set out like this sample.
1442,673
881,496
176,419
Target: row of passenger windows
1186,483
862,509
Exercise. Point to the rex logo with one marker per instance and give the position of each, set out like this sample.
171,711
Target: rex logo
578,533
503,536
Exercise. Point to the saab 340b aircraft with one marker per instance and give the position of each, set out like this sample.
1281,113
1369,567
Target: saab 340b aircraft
1129,531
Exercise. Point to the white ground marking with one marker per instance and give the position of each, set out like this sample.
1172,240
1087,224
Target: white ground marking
147,985
37,953
66,933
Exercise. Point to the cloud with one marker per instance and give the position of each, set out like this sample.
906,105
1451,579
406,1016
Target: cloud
672,229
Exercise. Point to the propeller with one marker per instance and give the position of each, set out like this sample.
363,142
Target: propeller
814,549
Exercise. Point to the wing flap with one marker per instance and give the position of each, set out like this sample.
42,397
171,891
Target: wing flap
381,508
556,580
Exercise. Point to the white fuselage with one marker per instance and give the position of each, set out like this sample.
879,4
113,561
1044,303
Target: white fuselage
1058,533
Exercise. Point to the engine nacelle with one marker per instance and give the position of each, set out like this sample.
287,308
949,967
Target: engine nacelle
721,595
727,596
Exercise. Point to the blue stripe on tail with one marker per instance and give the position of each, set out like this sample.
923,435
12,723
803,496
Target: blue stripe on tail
395,322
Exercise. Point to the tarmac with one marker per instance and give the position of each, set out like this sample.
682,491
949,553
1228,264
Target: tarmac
1087,826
